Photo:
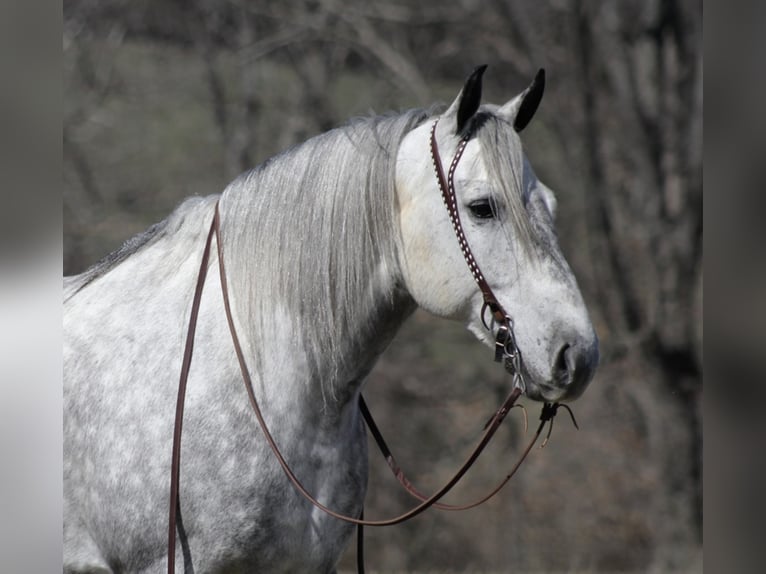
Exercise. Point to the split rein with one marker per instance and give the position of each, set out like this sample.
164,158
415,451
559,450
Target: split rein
506,350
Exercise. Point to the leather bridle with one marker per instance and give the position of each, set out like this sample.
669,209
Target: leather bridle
505,341
505,350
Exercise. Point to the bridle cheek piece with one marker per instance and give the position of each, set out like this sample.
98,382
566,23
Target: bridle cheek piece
506,349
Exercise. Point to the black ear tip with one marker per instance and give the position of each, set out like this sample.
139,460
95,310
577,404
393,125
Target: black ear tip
470,99
530,100
474,80
538,83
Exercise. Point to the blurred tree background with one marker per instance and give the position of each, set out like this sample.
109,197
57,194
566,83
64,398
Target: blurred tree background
169,98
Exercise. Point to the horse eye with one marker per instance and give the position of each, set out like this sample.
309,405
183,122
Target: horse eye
481,209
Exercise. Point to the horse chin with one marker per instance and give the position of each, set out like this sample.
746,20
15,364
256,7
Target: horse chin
543,391
549,393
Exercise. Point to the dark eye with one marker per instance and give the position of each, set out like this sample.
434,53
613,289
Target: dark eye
482,209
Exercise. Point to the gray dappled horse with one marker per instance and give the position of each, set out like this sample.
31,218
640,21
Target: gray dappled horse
329,247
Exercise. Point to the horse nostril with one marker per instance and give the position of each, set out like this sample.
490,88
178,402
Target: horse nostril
575,365
564,367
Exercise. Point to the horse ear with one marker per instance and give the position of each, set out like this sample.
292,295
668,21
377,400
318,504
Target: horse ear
521,108
468,100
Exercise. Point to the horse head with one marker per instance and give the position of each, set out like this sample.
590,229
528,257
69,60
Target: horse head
507,216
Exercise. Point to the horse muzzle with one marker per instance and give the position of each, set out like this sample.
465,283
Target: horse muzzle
573,365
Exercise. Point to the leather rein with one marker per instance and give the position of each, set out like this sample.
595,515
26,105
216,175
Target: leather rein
506,350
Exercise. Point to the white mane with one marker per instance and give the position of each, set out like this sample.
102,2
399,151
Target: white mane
320,262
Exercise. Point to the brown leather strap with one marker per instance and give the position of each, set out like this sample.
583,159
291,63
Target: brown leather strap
447,187
506,349
175,467
407,484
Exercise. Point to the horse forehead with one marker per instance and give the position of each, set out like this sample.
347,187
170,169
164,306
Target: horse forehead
471,166
472,169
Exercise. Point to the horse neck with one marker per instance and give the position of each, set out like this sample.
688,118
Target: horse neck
283,346
304,346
